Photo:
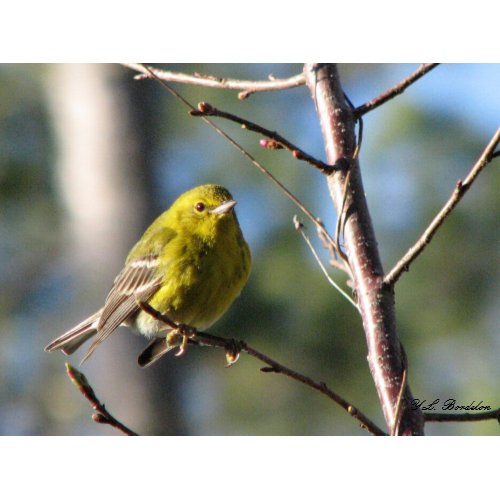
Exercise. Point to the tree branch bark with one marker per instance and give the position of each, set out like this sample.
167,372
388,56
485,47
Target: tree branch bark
375,300
460,189
278,141
101,415
396,90
247,87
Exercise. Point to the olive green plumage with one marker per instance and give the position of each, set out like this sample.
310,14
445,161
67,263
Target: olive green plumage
190,265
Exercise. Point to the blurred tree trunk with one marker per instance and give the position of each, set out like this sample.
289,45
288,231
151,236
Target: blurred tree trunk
103,131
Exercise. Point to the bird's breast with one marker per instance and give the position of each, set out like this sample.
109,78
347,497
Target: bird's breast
201,279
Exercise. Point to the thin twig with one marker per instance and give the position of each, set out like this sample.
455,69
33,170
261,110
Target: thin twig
341,220
248,87
394,91
275,367
462,417
245,153
339,226
233,347
461,188
402,388
278,141
333,253
359,120
300,227
101,415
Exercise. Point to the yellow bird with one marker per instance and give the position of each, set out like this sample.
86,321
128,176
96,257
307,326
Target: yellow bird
189,265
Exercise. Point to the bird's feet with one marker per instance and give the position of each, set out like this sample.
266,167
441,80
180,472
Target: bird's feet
180,337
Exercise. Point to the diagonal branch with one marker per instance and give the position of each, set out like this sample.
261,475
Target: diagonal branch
461,188
101,415
279,142
396,90
234,347
248,87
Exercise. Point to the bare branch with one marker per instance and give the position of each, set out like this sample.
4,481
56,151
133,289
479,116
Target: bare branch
461,188
396,90
278,141
101,415
248,87
462,417
233,347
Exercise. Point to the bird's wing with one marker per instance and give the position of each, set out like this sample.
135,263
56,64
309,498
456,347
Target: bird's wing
138,281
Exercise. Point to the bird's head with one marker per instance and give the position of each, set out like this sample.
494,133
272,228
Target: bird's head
205,210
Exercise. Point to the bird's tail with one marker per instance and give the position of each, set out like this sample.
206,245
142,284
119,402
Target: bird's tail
70,341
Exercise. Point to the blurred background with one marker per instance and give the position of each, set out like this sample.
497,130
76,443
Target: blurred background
88,157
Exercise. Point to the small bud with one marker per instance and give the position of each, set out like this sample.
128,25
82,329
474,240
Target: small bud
244,94
352,410
77,377
99,418
270,144
204,107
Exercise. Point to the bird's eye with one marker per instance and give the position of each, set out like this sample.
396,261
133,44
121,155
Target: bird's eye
199,207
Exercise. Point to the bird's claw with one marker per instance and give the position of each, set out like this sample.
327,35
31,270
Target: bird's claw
183,333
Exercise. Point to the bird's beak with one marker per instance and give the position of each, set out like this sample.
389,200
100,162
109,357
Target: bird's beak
224,208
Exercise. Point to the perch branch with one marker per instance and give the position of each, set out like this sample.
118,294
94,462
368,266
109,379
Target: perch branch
248,87
101,415
234,347
394,91
461,188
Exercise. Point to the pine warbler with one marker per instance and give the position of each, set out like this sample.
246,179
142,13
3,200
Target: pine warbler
190,265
